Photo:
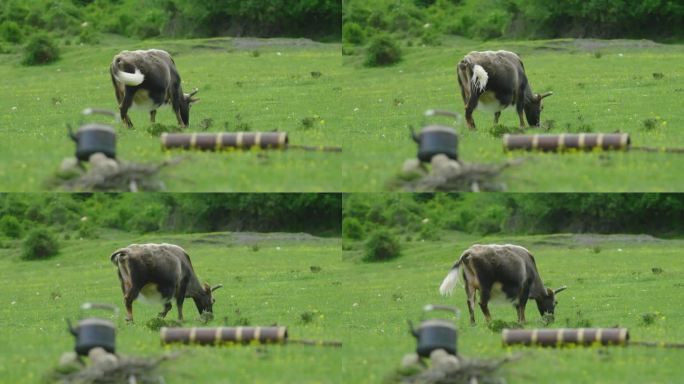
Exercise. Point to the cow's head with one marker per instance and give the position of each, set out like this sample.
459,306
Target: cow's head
205,301
547,303
186,102
534,107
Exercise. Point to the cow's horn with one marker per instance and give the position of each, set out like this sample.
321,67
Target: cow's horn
561,289
545,94
215,287
194,91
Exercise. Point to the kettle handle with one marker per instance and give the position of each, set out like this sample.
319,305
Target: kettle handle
441,112
113,308
98,111
437,307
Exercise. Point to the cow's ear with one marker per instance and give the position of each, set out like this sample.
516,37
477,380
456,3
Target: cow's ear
206,287
549,292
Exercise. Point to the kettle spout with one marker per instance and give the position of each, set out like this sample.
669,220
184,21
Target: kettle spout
71,134
413,135
412,329
74,331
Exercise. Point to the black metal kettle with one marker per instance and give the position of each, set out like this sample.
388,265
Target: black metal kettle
435,334
436,139
91,138
94,332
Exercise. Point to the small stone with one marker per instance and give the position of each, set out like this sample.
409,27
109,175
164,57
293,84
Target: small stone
445,166
68,358
444,361
102,359
409,360
69,164
97,158
412,166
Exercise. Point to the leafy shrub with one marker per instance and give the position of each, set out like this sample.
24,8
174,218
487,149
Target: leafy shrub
86,230
10,226
40,244
382,246
491,220
353,33
11,32
429,232
88,35
352,228
383,51
40,49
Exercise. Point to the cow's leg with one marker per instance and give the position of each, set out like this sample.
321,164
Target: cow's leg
470,107
485,292
496,117
167,308
129,296
125,105
522,302
470,294
519,108
153,114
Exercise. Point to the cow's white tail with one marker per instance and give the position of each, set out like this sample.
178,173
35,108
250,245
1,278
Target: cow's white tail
450,281
480,77
131,79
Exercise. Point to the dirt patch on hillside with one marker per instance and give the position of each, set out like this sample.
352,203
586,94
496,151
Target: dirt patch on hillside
249,238
252,43
593,45
589,239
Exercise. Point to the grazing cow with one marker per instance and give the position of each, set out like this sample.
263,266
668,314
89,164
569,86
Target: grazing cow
493,81
507,268
160,272
149,79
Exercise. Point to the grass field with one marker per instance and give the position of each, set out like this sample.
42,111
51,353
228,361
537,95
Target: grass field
610,282
273,284
245,84
366,306
598,85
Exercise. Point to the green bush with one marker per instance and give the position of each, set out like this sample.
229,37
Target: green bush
88,35
352,228
382,51
40,244
353,33
10,226
40,49
11,32
382,246
429,232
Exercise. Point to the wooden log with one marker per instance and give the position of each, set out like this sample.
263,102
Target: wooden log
224,140
223,335
560,337
561,142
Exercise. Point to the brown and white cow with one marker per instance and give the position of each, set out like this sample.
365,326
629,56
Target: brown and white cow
493,269
148,80
493,81
160,273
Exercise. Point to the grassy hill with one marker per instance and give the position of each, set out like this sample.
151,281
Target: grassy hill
268,279
599,86
245,84
610,282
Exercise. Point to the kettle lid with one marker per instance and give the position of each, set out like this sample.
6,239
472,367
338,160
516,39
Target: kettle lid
437,323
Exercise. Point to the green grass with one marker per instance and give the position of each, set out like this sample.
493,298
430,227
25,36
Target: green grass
614,287
273,284
271,90
610,280
613,91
